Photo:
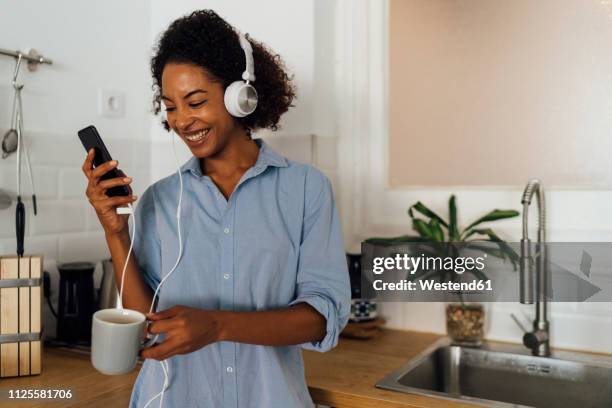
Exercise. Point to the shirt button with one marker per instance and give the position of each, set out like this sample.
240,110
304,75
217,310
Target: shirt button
226,276
226,230
229,369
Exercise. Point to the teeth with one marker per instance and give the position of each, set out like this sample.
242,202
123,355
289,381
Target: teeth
198,136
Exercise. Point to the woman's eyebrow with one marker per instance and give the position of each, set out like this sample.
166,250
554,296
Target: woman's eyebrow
195,91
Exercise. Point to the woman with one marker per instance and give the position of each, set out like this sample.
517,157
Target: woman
263,271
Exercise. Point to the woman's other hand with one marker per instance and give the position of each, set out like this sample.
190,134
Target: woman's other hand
186,329
106,206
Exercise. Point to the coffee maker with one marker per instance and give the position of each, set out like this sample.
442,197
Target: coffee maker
76,302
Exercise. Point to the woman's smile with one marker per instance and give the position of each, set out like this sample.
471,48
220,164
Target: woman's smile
195,138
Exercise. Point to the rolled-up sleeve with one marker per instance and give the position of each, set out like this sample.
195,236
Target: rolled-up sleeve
322,277
147,247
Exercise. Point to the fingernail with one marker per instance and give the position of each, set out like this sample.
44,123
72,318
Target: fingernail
127,179
134,197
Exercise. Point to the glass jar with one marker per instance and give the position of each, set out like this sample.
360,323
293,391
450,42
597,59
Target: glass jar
465,323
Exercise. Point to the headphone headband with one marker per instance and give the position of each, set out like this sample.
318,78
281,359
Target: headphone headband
248,74
240,97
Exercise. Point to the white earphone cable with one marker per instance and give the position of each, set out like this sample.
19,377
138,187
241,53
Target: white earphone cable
178,222
127,258
164,363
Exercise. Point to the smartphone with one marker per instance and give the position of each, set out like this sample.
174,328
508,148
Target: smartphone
91,139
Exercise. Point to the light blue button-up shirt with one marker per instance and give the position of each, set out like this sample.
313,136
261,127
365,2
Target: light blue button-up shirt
275,242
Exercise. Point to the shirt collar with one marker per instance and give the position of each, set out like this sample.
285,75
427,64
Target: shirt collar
267,157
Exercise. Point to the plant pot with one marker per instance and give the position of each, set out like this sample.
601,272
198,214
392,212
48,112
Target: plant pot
465,323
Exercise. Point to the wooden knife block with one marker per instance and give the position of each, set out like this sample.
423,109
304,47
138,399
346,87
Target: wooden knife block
20,315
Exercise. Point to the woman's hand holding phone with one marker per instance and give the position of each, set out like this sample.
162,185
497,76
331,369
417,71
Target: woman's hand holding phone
105,206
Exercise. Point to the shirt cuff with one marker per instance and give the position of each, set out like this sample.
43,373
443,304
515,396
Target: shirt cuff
326,309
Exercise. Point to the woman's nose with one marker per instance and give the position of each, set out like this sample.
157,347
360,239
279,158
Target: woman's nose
183,120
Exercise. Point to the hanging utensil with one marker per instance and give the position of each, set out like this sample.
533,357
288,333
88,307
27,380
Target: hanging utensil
20,225
17,126
33,59
13,140
21,142
9,143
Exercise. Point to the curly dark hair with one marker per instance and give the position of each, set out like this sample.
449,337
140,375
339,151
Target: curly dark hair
206,40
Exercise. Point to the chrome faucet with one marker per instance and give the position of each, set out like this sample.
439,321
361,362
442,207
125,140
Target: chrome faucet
538,339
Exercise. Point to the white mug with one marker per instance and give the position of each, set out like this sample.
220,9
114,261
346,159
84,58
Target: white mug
116,339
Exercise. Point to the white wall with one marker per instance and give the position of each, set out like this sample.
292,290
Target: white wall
370,207
93,45
475,78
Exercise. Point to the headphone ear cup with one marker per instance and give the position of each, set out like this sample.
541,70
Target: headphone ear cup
240,99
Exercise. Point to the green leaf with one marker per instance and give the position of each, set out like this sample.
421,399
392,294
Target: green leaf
436,230
493,216
453,232
493,237
504,252
410,213
483,231
423,229
420,207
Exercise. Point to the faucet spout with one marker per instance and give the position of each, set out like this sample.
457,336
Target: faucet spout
539,339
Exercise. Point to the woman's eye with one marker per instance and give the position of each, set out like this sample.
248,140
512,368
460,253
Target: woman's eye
197,104
169,109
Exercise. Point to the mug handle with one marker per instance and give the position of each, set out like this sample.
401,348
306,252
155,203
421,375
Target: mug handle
151,339
148,343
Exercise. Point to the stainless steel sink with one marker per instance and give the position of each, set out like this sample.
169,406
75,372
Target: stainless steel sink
504,375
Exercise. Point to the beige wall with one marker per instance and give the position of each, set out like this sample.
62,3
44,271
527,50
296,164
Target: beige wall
496,92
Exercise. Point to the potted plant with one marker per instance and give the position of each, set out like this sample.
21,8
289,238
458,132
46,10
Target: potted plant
464,321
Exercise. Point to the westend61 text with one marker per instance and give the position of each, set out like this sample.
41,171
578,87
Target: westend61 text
432,285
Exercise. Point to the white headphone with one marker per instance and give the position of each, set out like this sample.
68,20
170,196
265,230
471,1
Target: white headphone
241,97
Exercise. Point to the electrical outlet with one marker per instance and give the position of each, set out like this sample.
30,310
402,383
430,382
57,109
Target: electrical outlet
111,104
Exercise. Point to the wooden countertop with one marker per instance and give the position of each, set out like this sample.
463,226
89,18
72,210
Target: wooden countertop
341,378
345,376
71,370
